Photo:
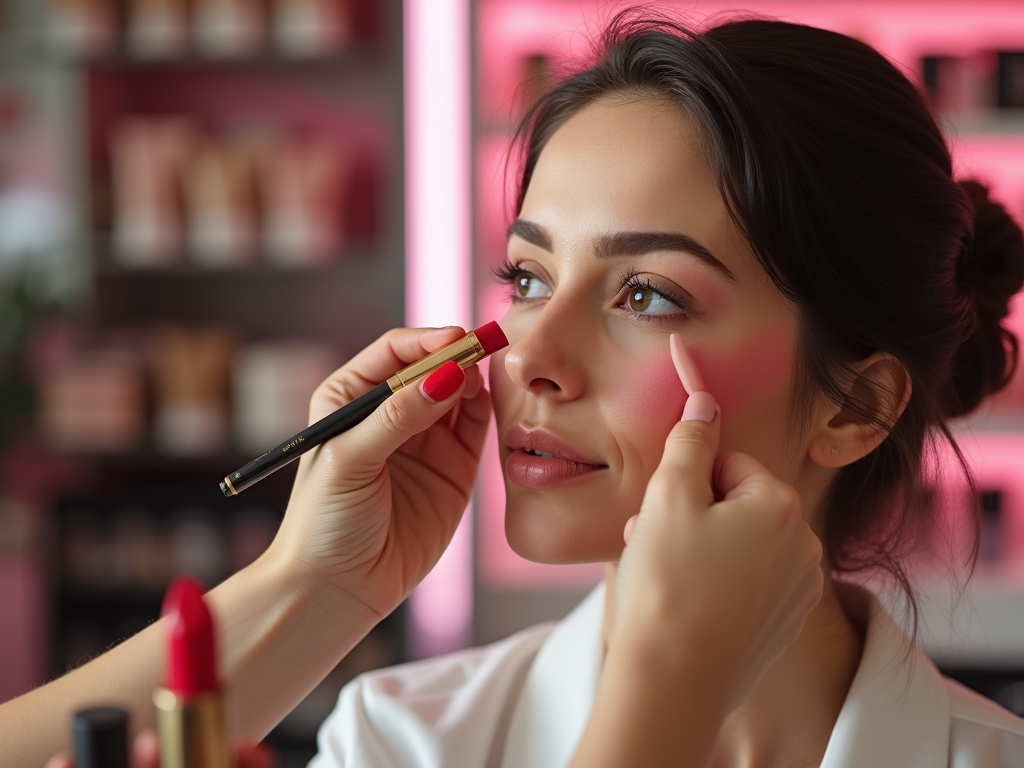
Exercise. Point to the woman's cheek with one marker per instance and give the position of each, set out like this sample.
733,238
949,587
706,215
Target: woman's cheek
649,401
745,376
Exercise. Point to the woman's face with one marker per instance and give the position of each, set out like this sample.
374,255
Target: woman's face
623,239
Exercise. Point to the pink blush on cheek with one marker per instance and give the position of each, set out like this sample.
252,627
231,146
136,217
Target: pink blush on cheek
737,378
654,395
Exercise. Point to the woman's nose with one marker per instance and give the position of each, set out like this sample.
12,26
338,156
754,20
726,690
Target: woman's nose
545,359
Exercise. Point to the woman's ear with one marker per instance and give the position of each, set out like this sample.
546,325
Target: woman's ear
874,402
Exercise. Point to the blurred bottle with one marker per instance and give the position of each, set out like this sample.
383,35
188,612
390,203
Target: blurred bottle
100,737
310,28
157,29
990,542
220,196
960,85
251,532
147,159
272,386
229,28
536,79
303,185
81,28
190,384
197,545
1011,80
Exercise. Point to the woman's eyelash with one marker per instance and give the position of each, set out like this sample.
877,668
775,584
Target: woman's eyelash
634,282
506,272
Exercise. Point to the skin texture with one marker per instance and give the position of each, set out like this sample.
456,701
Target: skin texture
583,366
580,365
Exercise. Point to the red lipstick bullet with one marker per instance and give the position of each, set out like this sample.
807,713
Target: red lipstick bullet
190,708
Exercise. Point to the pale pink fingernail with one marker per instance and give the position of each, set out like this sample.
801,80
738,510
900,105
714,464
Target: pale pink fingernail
628,530
700,406
685,367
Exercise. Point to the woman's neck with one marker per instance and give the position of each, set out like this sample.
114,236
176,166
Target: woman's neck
788,718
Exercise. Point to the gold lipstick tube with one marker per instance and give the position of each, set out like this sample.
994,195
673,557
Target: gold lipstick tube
191,730
465,352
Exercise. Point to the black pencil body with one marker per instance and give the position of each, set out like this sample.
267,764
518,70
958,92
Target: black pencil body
333,424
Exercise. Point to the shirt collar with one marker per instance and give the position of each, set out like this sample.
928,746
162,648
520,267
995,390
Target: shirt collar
555,701
896,712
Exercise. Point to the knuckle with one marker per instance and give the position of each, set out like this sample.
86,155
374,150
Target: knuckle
688,434
787,499
395,419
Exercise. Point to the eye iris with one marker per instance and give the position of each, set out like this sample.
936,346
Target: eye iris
523,285
640,299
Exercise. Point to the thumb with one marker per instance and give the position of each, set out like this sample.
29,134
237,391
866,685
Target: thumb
408,412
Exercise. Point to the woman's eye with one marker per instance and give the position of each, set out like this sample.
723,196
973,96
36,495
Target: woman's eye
527,286
647,301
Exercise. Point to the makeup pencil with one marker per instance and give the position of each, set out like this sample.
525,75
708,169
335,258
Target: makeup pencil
471,348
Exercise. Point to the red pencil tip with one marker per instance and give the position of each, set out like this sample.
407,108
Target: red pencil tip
191,641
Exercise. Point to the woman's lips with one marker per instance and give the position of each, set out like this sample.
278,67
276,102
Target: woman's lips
561,464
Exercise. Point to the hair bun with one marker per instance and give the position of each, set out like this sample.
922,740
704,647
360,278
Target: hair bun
991,266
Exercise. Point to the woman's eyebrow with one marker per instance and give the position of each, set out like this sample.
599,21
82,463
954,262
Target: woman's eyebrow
532,233
626,244
639,243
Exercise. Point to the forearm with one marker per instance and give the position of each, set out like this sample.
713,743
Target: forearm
277,639
652,709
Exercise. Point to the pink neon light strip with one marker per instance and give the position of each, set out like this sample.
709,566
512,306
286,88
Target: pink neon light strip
437,259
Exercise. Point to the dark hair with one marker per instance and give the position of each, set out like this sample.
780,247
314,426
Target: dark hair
834,168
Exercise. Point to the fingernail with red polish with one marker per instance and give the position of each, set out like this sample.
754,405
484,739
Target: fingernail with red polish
442,383
700,406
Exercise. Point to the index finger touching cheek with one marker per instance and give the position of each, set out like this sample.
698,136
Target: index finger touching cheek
692,445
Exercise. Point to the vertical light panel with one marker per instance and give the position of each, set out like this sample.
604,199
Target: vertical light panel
437,259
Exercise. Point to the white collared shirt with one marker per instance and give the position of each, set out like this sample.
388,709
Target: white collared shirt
524,702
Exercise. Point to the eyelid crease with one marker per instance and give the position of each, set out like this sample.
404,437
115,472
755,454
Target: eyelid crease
631,279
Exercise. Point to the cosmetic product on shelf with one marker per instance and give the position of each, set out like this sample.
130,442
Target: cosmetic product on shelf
81,28
157,29
197,545
93,402
536,78
272,384
147,156
1011,80
310,28
960,85
220,198
228,28
250,533
990,544
190,381
303,185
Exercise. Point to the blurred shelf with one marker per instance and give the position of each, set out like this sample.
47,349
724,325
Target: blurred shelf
1004,122
356,56
361,260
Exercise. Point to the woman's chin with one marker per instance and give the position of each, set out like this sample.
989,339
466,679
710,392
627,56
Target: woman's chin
558,543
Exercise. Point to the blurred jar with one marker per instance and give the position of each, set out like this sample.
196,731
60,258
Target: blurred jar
272,384
93,402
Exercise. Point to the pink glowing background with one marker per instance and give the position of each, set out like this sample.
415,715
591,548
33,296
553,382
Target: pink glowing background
438,263
508,31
